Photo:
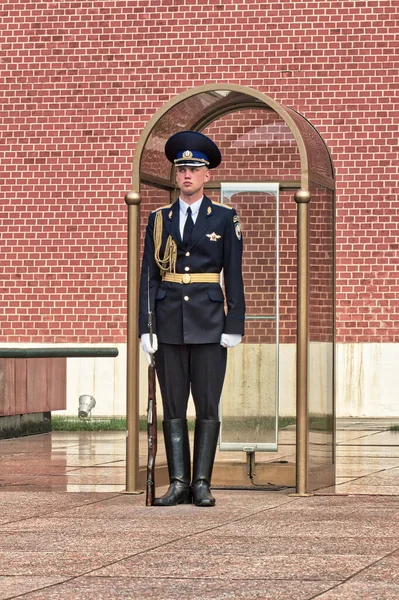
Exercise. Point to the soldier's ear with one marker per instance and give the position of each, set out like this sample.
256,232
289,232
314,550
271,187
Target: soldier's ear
207,175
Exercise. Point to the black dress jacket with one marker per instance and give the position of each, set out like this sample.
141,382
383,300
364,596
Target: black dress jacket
194,313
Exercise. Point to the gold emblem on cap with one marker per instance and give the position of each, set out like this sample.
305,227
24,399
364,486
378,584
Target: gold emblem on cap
187,154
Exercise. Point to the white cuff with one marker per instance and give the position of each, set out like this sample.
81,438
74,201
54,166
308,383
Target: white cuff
229,340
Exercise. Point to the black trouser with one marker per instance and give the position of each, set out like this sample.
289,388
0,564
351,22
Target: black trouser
201,367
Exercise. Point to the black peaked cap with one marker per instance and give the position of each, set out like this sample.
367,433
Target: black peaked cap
195,143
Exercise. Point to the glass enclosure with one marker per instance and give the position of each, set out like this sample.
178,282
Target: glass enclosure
269,152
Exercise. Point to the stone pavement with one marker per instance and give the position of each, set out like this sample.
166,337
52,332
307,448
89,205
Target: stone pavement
102,544
264,545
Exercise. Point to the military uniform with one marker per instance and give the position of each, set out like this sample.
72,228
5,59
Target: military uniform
183,281
188,312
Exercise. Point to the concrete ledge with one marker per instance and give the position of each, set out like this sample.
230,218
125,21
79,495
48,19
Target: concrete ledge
18,425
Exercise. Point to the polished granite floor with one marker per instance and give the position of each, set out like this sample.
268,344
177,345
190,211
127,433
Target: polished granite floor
367,457
103,544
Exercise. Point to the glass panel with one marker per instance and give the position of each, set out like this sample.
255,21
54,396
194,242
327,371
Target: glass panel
250,396
318,156
255,138
180,117
256,145
250,143
249,402
321,329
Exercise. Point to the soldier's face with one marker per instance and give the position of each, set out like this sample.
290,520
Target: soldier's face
190,181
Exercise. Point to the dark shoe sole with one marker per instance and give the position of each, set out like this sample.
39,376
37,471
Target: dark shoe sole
203,505
171,503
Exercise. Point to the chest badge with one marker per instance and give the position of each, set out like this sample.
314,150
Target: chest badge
213,237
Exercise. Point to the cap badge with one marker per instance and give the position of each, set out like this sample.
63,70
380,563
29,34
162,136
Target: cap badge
213,237
187,154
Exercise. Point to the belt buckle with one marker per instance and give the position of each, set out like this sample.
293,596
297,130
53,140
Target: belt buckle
186,278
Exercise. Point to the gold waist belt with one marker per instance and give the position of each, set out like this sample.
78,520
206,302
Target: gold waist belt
192,277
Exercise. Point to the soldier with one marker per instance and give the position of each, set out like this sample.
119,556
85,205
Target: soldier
188,244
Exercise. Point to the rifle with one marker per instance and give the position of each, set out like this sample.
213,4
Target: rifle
151,417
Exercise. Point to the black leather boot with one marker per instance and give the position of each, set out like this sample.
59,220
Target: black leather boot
205,442
178,456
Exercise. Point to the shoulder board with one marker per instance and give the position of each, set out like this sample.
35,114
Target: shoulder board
162,207
223,205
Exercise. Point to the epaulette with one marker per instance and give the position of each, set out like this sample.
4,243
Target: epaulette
161,207
220,204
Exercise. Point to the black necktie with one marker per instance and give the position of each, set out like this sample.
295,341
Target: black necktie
188,227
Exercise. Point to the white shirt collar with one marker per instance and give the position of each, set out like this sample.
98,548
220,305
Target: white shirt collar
194,207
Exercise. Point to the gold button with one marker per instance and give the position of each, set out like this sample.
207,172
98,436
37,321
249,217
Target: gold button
186,298
186,278
186,268
187,253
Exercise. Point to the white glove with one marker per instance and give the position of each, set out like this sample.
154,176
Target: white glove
147,347
229,340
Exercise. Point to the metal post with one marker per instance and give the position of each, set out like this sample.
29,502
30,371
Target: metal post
133,200
302,197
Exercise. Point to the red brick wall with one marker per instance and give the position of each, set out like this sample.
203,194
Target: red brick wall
78,82
321,259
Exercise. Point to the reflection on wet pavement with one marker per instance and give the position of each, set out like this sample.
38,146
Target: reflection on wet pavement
367,459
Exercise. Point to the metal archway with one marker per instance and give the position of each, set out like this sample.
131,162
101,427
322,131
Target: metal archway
215,101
